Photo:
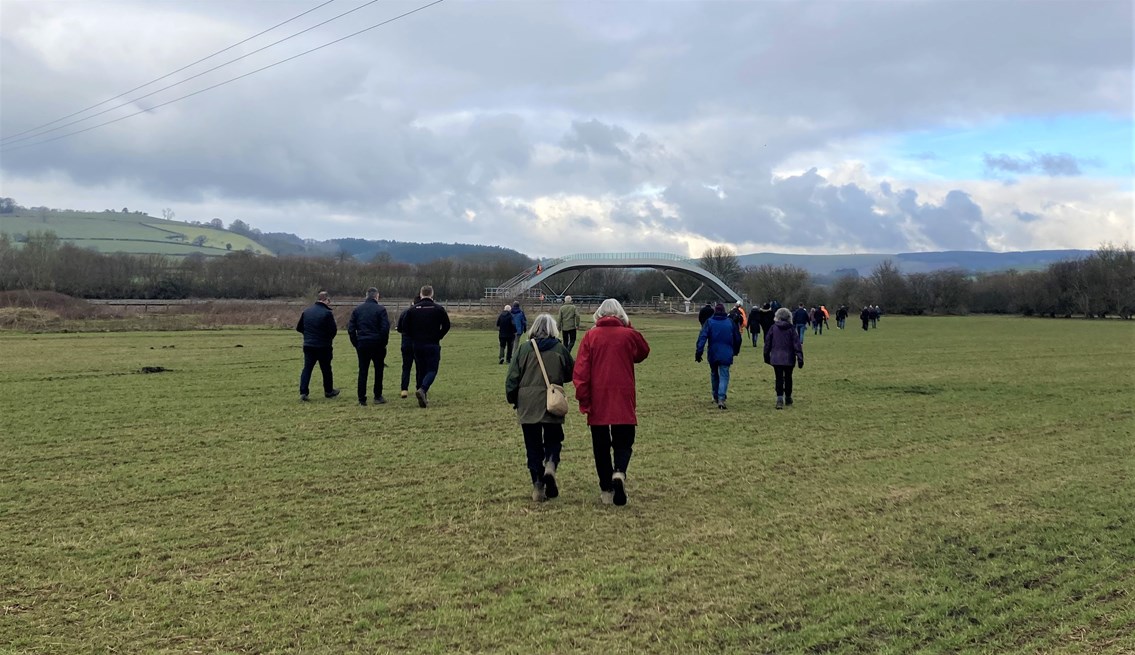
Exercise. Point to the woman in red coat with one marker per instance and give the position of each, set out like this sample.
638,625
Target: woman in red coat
605,389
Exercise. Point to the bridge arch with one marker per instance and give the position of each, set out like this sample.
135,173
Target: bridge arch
537,276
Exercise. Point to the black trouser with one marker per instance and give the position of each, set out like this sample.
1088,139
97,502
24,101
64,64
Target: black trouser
543,441
569,339
506,346
865,324
783,380
427,359
407,363
311,355
604,439
755,332
368,354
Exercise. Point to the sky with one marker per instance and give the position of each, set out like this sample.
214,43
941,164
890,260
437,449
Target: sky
584,126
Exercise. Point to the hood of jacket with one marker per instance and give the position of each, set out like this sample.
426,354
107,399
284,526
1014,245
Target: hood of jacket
783,325
546,344
609,321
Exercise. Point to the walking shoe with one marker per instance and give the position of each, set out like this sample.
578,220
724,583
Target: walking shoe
550,487
420,394
538,493
362,402
331,394
303,397
404,394
721,406
780,402
381,400
606,497
787,400
501,361
618,488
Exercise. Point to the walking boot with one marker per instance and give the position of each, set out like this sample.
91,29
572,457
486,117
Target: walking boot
538,493
550,487
787,400
606,497
780,402
404,394
618,488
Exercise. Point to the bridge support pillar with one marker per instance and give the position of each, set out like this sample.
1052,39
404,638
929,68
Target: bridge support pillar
686,299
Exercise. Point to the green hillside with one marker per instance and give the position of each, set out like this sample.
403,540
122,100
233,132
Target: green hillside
127,233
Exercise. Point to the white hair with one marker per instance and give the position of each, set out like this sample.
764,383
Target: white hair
567,298
508,308
612,307
783,314
544,327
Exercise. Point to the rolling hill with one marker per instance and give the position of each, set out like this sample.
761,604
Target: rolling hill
918,262
135,233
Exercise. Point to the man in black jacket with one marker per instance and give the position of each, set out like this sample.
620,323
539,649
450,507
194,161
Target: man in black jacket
407,348
426,324
317,325
705,313
369,331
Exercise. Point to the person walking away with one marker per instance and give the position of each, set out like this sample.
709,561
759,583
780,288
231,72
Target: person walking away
874,314
317,325
878,314
369,332
783,349
427,323
754,324
766,315
605,389
865,316
407,348
525,389
841,316
824,311
506,335
568,323
737,315
519,323
705,312
721,342
800,320
817,321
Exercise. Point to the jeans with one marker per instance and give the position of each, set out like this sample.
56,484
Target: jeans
370,354
754,333
311,355
427,357
604,439
817,328
569,339
783,380
801,328
543,442
839,323
719,381
506,347
407,363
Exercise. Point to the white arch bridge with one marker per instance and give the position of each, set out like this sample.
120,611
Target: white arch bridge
533,281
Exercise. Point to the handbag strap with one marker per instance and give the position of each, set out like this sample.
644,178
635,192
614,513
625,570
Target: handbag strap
543,371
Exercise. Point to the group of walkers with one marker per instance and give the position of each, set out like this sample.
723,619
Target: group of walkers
540,362
422,325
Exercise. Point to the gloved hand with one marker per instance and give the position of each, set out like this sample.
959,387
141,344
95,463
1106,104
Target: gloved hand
800,364
697,358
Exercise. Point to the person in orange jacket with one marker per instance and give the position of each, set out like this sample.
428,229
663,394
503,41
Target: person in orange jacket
826,315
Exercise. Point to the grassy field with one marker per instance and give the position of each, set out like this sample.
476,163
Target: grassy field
130,233
942,485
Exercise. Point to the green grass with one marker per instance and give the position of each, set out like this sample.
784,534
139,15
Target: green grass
941,486
128,233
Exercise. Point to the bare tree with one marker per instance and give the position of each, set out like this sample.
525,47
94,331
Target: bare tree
786,284
722,261
168,214
889,286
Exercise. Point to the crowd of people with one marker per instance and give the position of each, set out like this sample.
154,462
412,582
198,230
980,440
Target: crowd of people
540,362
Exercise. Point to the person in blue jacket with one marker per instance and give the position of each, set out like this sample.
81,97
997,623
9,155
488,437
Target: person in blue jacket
721,340
519,323
800,320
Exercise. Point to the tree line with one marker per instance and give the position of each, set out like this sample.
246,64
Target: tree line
1102,284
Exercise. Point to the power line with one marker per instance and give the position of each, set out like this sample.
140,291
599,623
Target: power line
158,79
191,77
219,84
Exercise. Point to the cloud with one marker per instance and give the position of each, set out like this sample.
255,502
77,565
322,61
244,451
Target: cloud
1052,164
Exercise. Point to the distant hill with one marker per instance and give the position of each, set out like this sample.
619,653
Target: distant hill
134,233
918,262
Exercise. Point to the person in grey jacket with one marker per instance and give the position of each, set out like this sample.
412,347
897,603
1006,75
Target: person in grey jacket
783,350
317,325
569,322
369,331
525,390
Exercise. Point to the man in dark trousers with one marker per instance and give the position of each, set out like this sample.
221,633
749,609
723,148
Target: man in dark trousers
407,348
800,320
506,335
369,331
767,316
317,325
426,324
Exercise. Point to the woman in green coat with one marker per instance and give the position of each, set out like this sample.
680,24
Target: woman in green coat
525,390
